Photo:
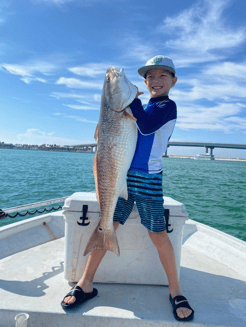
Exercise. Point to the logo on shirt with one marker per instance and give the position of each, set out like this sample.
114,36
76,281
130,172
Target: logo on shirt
161,104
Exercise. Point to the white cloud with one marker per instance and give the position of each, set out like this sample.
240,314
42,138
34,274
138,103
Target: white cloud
77,118
37,137
34,131
97,97
200,31
56,2
28,71
230,70
137,48
237,123
17,69
84,102
83,120
83,3
211,87
223,117
59,1
4,10
84,105
91,69
81,107
188,58
28,80
141,51
196,35
78,84
60,95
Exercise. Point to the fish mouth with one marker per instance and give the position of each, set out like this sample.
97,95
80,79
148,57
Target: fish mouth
130,90
112,73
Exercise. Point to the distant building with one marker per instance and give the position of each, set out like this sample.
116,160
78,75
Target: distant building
6,145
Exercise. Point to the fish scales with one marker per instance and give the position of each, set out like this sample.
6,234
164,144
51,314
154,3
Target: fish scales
117,138
113,162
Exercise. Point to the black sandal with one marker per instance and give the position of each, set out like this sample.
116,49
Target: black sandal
80,296
180,302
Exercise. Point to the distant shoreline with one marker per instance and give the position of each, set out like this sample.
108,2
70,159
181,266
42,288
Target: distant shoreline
76,151
215,158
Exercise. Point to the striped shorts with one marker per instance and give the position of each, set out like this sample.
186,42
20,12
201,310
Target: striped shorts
146,191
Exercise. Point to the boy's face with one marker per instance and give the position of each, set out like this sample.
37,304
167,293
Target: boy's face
159,82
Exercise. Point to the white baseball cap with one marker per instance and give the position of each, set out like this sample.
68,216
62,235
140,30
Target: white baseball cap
157,62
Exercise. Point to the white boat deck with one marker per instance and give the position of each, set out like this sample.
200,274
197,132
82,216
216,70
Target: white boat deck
32,281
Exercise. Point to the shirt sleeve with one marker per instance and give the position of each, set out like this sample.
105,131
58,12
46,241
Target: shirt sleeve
149,123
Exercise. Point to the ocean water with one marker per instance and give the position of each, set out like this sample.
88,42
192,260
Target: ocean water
214,192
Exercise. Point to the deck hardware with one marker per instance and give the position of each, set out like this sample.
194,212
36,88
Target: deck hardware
166,215
2,214
84,218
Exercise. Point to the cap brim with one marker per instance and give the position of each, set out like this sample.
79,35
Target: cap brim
143,70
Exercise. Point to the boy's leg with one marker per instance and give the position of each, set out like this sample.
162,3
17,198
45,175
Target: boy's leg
122,212
86,281
167,257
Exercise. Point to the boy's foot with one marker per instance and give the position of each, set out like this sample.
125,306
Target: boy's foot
182,311
78,294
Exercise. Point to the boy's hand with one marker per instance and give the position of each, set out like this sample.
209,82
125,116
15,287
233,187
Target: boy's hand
139,93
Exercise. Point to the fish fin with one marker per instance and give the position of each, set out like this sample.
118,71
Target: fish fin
95,176
102,240
96,134
124,192
127,114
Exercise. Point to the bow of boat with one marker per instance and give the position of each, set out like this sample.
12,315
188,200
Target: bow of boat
212,275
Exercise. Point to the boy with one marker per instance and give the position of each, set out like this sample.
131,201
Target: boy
155,125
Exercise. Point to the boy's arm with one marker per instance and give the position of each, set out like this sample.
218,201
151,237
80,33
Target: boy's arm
149,123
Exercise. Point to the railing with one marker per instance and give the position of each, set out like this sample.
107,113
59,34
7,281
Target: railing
4,213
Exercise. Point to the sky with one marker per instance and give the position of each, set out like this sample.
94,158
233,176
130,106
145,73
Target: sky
54,55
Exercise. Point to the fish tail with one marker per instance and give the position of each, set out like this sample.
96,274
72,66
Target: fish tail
103,240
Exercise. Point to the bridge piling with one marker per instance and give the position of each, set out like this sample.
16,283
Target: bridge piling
93,146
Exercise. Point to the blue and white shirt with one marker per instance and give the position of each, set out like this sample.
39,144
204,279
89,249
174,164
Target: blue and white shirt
155,122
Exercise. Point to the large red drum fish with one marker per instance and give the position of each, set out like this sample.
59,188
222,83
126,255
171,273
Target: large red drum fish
116,136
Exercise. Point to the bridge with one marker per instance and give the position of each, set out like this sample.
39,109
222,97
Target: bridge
207,146
93,146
